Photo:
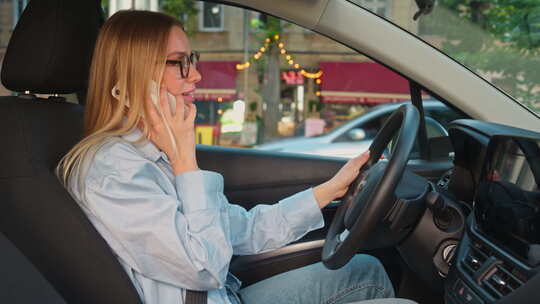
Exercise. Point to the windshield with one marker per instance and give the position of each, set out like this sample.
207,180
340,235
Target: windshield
497,39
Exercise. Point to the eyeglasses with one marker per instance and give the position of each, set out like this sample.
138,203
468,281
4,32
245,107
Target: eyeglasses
185,62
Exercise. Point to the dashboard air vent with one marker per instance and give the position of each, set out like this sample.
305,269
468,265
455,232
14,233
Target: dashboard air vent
503,280
476,256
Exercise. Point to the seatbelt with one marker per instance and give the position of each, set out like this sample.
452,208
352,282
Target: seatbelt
196,297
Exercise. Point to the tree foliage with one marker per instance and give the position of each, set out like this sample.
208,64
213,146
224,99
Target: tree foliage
184,10
497,38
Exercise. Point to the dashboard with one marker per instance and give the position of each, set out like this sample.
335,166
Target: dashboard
495,179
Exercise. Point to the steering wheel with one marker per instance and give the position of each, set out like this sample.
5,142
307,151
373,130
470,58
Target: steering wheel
371,195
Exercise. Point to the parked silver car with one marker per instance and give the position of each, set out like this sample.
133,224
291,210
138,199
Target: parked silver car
355,136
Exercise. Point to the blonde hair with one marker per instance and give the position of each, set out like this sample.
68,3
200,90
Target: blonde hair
129,48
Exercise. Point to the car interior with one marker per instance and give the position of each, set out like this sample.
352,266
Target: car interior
417,217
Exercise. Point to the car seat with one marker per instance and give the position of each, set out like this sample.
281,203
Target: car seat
21,282
49,53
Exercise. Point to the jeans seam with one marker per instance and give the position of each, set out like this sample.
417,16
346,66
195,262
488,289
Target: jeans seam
342,293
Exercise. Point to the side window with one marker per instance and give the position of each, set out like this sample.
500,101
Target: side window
438,119
267,83
434,128
366,129
272,85
444,115
438,141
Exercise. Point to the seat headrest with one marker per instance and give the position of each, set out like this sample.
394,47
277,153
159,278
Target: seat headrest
51,47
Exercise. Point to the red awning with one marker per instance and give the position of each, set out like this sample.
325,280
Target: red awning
361,82
218,80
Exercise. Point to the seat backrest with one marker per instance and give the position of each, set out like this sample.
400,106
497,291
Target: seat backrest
19,276
49,53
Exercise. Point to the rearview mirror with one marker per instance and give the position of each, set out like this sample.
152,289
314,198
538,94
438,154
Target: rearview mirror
357,134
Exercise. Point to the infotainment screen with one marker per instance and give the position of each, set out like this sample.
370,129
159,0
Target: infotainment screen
507,202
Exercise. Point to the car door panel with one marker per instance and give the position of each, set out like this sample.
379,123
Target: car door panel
254,176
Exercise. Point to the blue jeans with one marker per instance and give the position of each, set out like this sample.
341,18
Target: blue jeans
363,278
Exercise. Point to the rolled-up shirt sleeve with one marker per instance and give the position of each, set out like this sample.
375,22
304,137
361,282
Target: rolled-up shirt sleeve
267,227
183,241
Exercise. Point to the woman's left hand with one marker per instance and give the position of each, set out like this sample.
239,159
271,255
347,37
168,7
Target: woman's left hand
338,185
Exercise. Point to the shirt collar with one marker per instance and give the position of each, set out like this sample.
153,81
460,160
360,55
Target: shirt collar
148,149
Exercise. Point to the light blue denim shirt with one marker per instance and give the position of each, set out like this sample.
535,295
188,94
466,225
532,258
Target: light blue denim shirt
172,233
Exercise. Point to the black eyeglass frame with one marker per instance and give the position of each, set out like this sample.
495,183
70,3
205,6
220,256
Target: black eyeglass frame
185,63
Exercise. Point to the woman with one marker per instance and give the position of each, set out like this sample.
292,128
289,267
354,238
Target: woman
135,174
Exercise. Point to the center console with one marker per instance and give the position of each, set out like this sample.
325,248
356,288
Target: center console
499,254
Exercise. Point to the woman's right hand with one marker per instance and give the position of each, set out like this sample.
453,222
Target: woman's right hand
338,185
182,126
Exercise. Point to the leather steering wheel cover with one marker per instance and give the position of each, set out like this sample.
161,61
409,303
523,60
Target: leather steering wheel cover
405,120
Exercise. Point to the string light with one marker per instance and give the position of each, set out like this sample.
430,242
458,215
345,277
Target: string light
290,61
311,75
